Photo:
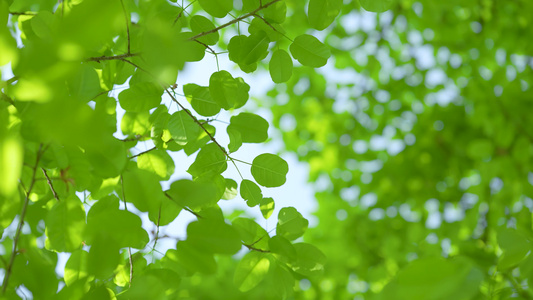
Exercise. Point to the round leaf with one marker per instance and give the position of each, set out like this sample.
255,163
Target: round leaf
309,51
269,170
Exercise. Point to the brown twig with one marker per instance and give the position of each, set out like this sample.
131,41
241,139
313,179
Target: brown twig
234,20
18,13
50,184
184,207
144,152
9,267
114,57
256,249
127,24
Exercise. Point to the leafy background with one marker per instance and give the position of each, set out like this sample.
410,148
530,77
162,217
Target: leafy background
411,117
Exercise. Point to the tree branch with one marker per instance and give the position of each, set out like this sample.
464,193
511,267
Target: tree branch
114,57
256,249
261,7
144,152
18,13
127,24
184,207
50,184
9,267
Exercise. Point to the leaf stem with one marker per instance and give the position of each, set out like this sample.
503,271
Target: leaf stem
241,161
126,208
9,267
50,184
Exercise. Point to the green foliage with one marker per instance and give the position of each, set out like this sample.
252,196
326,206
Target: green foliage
413,119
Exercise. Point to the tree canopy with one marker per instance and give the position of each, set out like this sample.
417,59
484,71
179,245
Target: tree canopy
413,117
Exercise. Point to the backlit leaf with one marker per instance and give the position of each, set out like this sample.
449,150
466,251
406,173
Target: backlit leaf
251,270
321,13
280,66
291,224
309,51
270,170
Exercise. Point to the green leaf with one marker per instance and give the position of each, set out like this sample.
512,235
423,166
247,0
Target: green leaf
214,236
252,128
515,246
217,8
65,224
236,53
142,188
231,189
76,267
127,226
269,170
183,128
251,270
283,247
135,123
274,31
309,51
235,139
201,100
251,233
250,5
309,260
267,207
210,161
158,162
322,13
280,66
200,24
202,139
153,284
104,255
140,97
435,278
192,194
251,193
283,281
276,13
376,5
291,224
255,48
227,91
85,84
188,257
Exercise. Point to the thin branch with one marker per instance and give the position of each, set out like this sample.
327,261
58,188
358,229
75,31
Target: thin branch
18,13
114,57
144,152
207,46
12,79
157,231
50,184
234,20
272,27
184,207
127,24
126,208
7,99
256,249
197,122
21,221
